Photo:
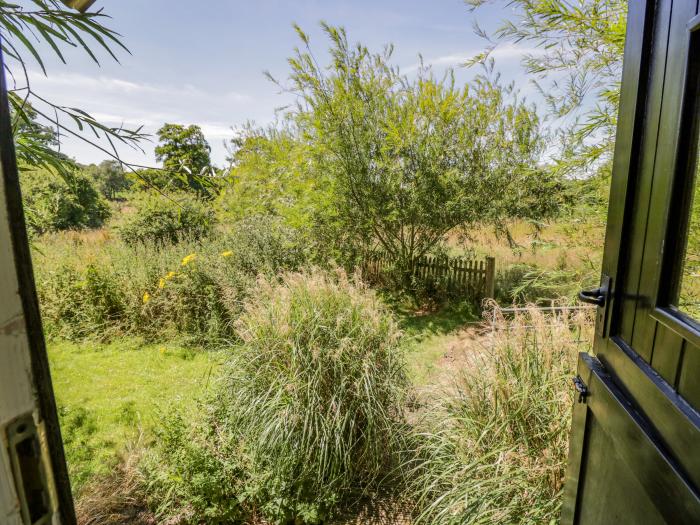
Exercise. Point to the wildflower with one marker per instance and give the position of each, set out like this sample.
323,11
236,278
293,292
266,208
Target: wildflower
170,275
161,283
188,259
227,253
146,297
162,350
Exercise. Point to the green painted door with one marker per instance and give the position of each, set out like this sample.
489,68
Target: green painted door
635,440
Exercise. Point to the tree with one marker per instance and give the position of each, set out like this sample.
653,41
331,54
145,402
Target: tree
24,24
109,177
54,202
410,160
184,153
271,175
577,67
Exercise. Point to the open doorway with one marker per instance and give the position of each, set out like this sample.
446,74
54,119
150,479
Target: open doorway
344,291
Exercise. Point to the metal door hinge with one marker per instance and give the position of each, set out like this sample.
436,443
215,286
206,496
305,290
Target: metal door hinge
581,388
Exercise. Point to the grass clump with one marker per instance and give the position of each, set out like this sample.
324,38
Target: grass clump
494,451
306,416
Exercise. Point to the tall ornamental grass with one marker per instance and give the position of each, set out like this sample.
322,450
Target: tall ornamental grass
307,417
494,450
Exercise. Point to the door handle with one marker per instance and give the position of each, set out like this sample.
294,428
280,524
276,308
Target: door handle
596,297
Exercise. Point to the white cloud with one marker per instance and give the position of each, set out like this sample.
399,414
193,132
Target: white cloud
502,52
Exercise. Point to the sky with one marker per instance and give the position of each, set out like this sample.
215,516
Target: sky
196,62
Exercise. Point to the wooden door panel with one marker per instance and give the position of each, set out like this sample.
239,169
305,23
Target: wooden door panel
666,355
665,173
642,178
689,377
624,474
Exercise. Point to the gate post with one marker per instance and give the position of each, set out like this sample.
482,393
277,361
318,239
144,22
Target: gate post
490,280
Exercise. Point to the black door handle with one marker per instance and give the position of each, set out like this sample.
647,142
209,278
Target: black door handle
596,297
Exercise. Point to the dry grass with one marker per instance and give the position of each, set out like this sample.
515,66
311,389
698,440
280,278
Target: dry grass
568,244
116,499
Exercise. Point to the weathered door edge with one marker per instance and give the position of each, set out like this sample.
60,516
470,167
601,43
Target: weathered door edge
23,333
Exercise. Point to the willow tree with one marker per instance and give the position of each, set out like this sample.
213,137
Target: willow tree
574,58
411,159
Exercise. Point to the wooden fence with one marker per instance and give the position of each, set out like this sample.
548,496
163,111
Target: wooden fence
473,276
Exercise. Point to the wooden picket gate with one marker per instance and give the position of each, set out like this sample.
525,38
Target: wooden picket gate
477,277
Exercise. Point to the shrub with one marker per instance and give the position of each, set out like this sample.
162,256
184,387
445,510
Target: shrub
494,451
78,304
53,203
90,288
307,415
265,244
160,221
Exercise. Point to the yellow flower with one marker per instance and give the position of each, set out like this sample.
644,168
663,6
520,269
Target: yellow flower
188,259
162,350
227,253
170,275
146,297
161,283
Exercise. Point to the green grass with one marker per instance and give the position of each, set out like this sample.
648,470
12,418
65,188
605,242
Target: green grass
111,394
429,335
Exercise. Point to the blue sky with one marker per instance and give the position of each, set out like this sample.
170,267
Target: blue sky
202,63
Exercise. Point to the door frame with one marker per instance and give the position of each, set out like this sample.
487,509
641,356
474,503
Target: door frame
32,329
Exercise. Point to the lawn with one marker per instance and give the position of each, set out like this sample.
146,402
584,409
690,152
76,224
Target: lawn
110,395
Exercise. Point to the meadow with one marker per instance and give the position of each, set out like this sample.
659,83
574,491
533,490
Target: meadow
139,351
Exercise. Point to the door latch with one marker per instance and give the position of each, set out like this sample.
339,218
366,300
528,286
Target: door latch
601,298
28,470
581,388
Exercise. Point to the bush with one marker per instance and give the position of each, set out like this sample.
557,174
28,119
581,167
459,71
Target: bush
90,288
307,415
80,304
53,203
264,244
495,450
160,221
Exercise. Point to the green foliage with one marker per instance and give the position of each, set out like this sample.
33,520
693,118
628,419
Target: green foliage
54,203
94,290
109,178
272,175
580,45
184,153
29,29
160,220
525,283
410,160
307,415
79,304
495,451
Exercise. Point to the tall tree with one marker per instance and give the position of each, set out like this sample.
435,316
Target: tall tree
185,155
577,67
271,175
410,160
